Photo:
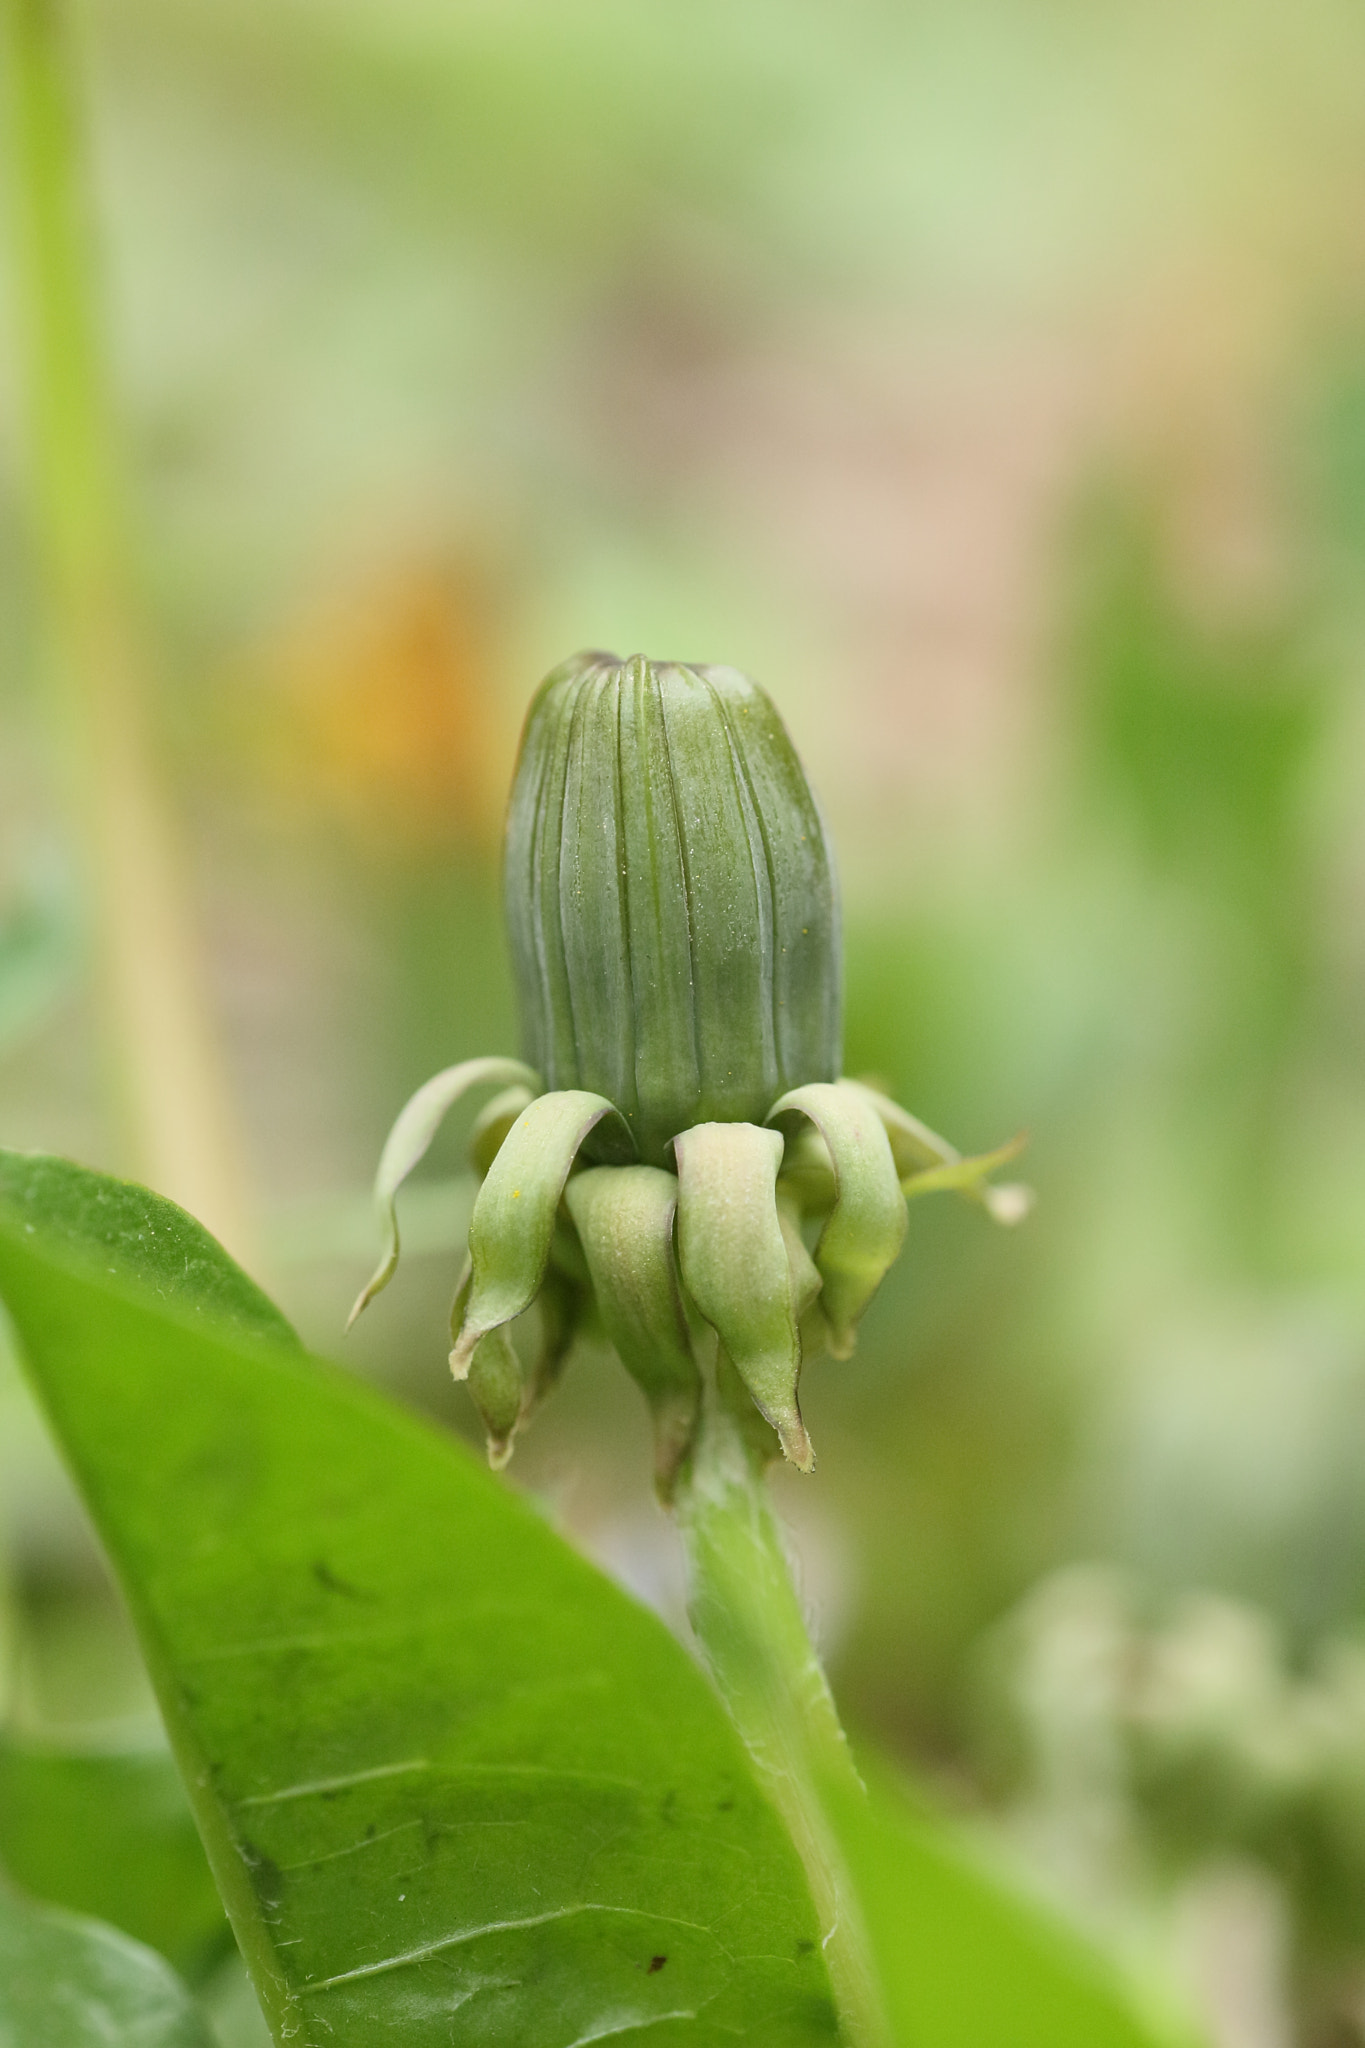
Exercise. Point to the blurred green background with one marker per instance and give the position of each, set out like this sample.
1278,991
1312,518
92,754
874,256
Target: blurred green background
988,380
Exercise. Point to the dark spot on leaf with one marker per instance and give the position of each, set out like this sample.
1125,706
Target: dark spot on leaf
666,1807
725,1806
267,1880
332,1583
804,1947
655,1963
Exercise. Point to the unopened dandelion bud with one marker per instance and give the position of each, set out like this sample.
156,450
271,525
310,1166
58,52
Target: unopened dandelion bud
670,897
680,1166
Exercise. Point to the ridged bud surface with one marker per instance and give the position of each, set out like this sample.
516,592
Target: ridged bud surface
671,901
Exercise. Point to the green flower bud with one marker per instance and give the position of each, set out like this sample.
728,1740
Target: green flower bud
671,901
680,1168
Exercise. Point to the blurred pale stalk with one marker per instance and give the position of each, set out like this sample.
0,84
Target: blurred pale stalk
746,1615
164,1075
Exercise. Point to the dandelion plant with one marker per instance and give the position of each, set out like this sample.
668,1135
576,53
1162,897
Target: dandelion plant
678,1157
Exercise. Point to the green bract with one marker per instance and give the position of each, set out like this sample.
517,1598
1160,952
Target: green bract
678,1152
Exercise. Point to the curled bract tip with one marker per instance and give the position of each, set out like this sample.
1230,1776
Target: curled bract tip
462,1354
495,1386
927,1164
649,1257
410,1139
624,1218
865,1226
735,1265
1008,1202
512,1228
796,1444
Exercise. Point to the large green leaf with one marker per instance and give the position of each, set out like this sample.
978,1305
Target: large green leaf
441,1766
964,1959
131,1231
66,1982
109,1833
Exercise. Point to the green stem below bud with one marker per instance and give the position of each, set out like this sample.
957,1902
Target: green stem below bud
747,1618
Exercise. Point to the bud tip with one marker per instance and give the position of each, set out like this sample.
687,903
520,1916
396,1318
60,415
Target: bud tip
462,1355
1009,1203
796,1445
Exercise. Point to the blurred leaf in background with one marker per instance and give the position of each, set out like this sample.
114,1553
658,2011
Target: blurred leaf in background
72,1983
109,1834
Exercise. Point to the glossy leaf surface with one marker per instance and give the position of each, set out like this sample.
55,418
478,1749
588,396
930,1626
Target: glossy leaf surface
130,1230
67,1982
450,1780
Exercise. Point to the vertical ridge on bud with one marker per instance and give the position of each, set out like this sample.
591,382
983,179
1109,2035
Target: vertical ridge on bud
729,901
592,893
806,995
534,831
667,1061
670,894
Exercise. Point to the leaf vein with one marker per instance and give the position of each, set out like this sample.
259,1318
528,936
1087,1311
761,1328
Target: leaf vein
468,1934
632,2026
317,1786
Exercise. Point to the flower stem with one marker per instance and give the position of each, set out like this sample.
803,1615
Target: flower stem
166,1083
748,1621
